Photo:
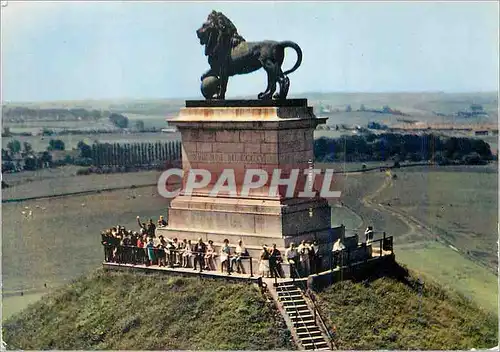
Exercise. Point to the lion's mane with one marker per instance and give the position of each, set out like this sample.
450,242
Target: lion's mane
227,34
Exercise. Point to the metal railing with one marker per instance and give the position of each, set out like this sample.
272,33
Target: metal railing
316,310
319,317
128,254
346,255
298,315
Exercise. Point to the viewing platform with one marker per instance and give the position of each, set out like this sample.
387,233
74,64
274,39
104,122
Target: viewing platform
353,261
212,274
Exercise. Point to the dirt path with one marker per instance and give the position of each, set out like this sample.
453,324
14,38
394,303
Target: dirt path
412,224
418,231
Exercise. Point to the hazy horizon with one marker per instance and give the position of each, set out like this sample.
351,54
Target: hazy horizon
64,51
291,96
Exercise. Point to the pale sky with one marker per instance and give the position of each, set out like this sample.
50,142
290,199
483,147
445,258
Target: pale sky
105,50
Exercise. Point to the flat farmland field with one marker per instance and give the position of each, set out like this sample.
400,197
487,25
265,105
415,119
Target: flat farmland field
453,271
459,206
455,244
61,239
17,178
49,182
51,241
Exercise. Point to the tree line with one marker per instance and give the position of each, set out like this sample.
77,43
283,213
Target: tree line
403,147
132,154
19,157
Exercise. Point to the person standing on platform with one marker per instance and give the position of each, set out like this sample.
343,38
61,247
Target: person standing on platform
264,262
187,254
338,248
275,262
210,256
292,257
150,248
239,252
141,259
369,235
175,255
105,242
305,267
314,258
151,228
199,253
225,252
162,255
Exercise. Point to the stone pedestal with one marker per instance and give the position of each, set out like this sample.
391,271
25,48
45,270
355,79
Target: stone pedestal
242,135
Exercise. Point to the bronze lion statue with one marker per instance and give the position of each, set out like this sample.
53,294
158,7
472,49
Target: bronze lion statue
229,54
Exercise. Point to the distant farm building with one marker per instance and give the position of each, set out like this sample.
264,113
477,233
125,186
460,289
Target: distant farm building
376,126
474,110
169,130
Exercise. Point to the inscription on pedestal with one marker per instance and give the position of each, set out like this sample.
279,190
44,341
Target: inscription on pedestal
231,158
249,158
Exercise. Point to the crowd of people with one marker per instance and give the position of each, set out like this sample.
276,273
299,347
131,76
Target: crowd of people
144,247
303,259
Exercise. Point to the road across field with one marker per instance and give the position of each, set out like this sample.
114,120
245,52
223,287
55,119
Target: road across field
422,246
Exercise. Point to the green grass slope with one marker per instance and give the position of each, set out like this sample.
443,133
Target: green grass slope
125,311
395,312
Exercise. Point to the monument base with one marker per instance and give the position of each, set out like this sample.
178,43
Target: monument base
242,135
255,222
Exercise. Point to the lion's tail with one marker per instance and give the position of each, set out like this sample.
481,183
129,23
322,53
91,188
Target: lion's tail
296,47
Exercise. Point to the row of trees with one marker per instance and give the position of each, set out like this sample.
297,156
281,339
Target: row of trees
407,147
14,147
98,155
131,154
119,120
29,159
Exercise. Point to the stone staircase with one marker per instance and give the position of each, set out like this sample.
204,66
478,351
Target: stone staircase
303,320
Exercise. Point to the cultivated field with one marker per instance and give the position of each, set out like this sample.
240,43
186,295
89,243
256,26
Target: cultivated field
459,206
60,240
452,270
50,182
443,221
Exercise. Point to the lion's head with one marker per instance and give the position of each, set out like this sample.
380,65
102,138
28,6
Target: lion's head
216,28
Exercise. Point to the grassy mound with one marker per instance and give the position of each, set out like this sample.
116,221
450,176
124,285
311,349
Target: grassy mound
125,311
396,312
